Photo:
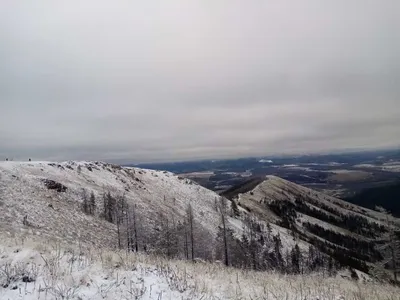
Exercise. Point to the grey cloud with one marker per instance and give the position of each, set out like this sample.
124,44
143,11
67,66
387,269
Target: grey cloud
197,79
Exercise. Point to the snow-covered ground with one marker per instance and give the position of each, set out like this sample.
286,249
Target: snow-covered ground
38,271
392,166
278,189
58,215
86,273
275,188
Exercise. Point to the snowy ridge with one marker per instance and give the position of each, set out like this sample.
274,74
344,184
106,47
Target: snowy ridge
275,188
344,231
58,214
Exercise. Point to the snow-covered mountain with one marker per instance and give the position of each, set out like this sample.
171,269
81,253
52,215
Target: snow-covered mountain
43,200
345,231
36,190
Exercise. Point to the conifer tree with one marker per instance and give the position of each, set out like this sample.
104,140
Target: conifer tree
190,223
391,248
295,259
92,204
235,209
278,252
222,211
85,202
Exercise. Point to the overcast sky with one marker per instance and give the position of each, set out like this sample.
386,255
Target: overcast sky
182,79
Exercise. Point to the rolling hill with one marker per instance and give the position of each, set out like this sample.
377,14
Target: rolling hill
342,230
268,224
32,189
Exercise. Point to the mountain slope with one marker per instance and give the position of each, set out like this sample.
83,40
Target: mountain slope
387,196
341,229
274,220
158,197
57,214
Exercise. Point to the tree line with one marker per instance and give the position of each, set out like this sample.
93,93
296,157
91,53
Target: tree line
257,248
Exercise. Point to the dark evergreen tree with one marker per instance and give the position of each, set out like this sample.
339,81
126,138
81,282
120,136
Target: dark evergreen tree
269,230
92,204
331,266
190,223
85,202
391,245
109,207
295,259
278,252
235,209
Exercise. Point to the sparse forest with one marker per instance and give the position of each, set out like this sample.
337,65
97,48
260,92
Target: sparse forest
256,249
172,225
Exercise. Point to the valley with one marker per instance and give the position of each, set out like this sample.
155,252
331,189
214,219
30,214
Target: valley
341,175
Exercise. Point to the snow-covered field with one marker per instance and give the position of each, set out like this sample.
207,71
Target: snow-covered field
205,174
392,166
37,271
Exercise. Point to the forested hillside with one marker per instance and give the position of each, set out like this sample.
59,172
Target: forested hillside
387,197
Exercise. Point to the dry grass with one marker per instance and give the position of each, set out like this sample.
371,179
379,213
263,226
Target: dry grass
56,271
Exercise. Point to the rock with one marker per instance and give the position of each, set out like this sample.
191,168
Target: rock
53,185
27,279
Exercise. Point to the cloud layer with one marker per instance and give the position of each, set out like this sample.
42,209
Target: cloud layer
175,80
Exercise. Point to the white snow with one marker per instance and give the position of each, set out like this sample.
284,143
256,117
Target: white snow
57,215
275,188
393,166
265,161
51,272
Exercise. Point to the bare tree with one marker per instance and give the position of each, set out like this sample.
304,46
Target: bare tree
252,231
92,204
133,229
223,214
128,228
190,221
135,232
120,211
164,238
391,247
183,231
85,202
25,220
